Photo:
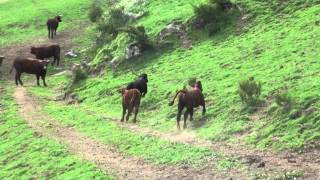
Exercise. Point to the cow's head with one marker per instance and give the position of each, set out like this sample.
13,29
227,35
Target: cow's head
33,50
44,64
58,18
198,85
144,77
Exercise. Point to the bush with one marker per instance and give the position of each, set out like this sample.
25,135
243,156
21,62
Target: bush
213,15
111,22
284,100
249,91
138,34
95,11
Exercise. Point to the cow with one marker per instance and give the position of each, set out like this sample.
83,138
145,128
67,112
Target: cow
190,99
140,84
42,52
30,66
130,101
52,25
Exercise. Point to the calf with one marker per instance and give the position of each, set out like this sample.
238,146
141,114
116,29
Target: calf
52,25
30,66
190,99
130,101
140,84
43,52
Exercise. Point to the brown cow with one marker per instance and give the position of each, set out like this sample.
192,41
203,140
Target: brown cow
43,52
130,100
52,25
30,66
190,99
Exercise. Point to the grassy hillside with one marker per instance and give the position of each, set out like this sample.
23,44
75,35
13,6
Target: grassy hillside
276,44
29,20
27,155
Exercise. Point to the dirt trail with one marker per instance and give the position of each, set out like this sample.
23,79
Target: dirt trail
104,157
268,162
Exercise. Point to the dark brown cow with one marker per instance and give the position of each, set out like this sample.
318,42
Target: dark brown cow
190,99
52,25
43,52
30,66
130,101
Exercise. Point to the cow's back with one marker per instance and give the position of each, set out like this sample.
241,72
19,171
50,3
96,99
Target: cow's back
27,66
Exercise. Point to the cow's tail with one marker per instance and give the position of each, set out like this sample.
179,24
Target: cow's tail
180,91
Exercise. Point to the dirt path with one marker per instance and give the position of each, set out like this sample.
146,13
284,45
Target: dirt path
104,157
268,162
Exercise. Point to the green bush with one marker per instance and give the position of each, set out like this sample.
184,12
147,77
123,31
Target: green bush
249,91
139,36
112,21
213,15
95,11
284,100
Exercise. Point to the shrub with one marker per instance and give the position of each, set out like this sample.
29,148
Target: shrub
249,91
111,22
139,35
213,15
284,100
95,11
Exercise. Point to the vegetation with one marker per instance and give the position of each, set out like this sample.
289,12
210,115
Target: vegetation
26,155
29,20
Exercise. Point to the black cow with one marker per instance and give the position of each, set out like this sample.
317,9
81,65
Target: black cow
140,84
42,52
52,25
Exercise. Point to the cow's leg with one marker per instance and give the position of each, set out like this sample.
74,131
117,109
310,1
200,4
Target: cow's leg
180,108
19,79
48,32
191,114
43,77
203,108
123,112
55,31
185,117
38,77
136,110
16,78
129,113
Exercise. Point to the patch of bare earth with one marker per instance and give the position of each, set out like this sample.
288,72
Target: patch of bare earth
264,162
105,157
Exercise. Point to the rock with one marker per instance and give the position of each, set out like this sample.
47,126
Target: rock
71,54
133,50
114,63
135,16
66,72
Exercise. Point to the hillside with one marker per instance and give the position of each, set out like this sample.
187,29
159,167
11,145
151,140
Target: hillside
272,44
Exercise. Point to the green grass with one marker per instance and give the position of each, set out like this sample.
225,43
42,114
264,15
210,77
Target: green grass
25,154
22,20
276,48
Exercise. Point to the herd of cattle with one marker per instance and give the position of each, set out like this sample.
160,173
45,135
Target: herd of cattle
131,95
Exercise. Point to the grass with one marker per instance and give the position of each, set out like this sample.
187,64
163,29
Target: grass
27,155
29,20
274,47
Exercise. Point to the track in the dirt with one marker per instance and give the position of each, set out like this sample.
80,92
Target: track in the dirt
105,157
273,163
